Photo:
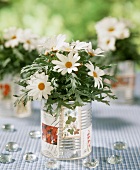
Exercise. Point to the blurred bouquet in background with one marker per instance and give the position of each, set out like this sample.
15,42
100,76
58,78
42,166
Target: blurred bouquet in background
117,39
18,48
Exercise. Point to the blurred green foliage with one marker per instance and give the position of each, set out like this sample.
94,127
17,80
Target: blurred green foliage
76,18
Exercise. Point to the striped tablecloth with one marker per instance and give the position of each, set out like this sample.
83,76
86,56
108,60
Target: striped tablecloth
110,124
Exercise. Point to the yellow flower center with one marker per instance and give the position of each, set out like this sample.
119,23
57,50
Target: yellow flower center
67,49
41,86
108,41
94,74
28,42
68,64
13,37
91,54
111,29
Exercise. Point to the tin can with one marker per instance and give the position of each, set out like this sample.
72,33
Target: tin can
69,135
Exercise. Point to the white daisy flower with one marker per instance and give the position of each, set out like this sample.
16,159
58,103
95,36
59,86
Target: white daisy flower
108,27
92,52
67,64
54,43
29,40
12,35
124,34
39,86
77,45
112,27
124,31
96,73
41,44
107,43
67,47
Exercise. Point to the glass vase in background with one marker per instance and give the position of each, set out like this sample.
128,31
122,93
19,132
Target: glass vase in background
124,87
6,96
68,135
20,110
9,88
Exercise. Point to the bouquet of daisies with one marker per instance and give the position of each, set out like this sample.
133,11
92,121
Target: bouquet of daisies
65,72
116,38
18,48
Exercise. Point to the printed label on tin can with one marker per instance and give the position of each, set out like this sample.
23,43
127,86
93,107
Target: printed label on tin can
86,140
49,135
71,123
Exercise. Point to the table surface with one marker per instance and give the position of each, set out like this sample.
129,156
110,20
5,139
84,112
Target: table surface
110,124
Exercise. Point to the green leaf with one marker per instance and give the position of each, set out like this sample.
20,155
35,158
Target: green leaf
70,118
18,54
73,119
68,122
71,131
6,62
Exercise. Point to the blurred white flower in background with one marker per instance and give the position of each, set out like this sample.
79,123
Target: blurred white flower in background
29,40
107,27
12,37
109,30
124,33
107,43
111,27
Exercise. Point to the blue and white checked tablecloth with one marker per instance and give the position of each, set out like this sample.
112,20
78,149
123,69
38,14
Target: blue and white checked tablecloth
110,124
